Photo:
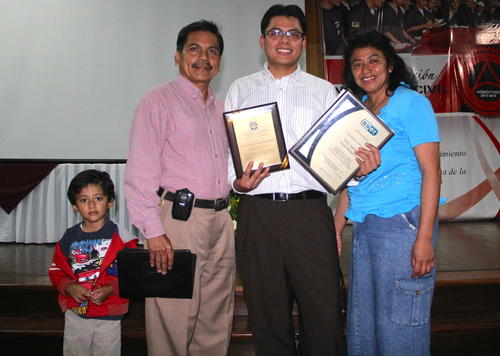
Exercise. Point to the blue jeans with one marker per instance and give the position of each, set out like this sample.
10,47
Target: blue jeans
388,311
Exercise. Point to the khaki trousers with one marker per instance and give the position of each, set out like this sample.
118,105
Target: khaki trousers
91,337
201,325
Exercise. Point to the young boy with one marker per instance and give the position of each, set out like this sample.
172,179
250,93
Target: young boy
84,269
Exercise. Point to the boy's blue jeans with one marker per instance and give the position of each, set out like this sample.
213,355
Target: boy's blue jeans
388,311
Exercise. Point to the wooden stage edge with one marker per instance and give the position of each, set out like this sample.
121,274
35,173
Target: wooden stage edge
467,252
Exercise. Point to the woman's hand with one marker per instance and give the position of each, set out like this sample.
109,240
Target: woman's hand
422,257
368,159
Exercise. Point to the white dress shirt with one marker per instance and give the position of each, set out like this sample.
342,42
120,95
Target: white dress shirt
302,99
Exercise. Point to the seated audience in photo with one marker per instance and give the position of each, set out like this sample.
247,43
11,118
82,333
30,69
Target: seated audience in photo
404,6
493,11
417,19
84,269
441,10
453,14
393,18
480,15
366,16
435,7
345,9
468,9
474,13
431,9
335,16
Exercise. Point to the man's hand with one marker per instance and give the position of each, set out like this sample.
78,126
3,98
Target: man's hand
161,253
368,159
422,257
338,236
248,180
99,295
339,218
78,292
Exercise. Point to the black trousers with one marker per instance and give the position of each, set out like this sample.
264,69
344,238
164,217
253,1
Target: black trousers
286,249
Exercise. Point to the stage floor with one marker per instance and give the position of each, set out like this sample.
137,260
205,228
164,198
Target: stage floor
465,251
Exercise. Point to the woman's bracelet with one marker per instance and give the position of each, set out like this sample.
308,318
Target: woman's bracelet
359,178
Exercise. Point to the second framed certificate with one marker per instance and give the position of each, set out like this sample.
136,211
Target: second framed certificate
327,149
255,134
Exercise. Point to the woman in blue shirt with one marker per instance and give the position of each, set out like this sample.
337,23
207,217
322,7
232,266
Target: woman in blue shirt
393,209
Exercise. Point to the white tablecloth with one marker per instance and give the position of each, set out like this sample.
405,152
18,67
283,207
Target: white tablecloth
44,215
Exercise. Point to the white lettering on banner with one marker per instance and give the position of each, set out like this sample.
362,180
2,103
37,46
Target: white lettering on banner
485,94
431,89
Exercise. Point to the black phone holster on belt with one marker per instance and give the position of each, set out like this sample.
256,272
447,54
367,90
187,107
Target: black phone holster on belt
182,204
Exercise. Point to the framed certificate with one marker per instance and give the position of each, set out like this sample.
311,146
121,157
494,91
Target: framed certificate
255,134
327,149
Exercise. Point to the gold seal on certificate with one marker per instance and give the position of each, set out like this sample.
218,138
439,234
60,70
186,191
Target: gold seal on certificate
327,149
255,134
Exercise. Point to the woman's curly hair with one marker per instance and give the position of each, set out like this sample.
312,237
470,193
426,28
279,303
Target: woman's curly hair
400,72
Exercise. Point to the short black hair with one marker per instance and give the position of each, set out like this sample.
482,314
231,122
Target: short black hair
282,10
91,176
202,25
400,72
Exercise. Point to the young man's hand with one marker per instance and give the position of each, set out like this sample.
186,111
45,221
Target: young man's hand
78,292
251,180
99,295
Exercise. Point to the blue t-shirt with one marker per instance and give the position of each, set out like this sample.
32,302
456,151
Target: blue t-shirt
394,187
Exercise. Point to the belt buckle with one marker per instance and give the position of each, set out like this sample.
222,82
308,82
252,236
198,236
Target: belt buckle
220,203
281,196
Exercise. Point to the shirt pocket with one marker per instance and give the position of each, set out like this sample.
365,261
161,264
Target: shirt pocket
411,300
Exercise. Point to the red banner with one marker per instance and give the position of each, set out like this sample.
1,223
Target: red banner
458,69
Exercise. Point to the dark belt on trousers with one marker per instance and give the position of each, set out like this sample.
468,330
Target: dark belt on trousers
217,204
308,194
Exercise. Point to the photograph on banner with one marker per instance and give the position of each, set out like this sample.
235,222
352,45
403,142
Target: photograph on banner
457,65
411,25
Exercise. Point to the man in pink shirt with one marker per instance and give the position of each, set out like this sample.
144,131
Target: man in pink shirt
177,141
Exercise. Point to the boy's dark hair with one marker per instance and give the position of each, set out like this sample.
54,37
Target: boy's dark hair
282,10
91,176
202,25
374,39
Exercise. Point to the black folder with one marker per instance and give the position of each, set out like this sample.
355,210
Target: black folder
137,279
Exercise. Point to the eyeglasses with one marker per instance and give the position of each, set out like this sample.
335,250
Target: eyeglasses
276,34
